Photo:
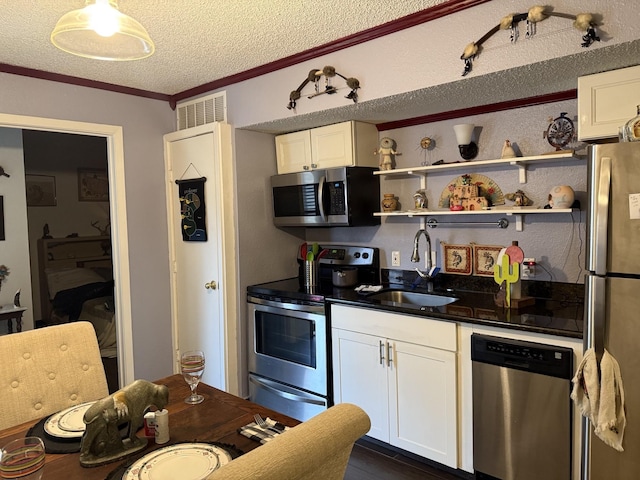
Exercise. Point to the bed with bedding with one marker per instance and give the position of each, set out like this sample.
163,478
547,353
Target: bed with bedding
76,283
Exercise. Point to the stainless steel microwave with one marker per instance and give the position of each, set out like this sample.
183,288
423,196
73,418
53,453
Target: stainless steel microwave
344,196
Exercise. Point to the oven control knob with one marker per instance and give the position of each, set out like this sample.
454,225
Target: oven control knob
212,285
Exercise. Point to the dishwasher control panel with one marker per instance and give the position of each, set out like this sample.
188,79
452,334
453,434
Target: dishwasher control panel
521,355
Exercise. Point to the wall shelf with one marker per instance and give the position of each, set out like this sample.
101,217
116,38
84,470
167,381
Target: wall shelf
520,162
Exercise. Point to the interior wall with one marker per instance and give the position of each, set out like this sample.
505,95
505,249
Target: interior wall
14,250
144,122
60,155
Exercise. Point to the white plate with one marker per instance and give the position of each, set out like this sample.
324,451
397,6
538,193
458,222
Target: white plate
186,461
68,423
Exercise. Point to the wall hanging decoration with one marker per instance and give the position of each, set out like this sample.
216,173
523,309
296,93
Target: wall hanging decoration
484,259
3,173
1,217
315,77
560,132
93,185
584,22
41,190
192,209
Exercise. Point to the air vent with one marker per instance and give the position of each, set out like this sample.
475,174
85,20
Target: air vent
202,111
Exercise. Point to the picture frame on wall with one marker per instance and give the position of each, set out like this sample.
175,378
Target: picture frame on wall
93,185
1,217
41,190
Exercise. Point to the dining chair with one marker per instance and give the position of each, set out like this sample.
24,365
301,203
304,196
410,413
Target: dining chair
317,449
47,370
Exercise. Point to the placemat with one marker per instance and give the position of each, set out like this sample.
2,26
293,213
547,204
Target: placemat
119,471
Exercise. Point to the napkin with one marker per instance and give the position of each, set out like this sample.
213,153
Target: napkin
263,435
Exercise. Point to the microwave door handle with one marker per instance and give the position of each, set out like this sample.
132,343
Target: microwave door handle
321,197
602,217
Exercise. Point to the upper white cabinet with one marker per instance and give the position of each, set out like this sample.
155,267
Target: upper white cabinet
339,145
607,101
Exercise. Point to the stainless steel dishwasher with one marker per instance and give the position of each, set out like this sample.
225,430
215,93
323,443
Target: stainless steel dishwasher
521,409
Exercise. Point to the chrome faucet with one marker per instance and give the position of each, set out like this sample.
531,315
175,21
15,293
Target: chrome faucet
432,271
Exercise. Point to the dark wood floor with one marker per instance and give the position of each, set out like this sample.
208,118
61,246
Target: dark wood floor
370,461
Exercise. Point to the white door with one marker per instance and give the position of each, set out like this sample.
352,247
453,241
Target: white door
198,286
360,377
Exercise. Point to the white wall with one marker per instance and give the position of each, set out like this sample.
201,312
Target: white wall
14,250
144,121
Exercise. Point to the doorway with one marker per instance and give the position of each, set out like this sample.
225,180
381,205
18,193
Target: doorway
117,206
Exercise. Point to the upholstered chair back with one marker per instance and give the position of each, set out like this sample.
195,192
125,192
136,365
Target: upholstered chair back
49,369
317,449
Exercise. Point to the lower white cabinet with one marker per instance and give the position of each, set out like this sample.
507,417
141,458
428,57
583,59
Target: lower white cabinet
401,369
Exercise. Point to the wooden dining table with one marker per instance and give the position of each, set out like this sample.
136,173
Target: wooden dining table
216,419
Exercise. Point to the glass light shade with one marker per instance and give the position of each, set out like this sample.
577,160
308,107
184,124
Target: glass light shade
101,32
464,131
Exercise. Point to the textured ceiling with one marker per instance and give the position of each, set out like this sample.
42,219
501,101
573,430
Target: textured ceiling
197,41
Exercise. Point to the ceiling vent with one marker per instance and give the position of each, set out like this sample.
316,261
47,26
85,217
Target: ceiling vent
212,108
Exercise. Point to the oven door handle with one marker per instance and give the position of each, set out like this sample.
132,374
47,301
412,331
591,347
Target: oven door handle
289,396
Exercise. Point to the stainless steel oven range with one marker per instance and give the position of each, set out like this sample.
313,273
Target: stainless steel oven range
289,335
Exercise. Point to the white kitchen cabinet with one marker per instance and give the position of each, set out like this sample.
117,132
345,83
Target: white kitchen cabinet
401,369
607,101
338,145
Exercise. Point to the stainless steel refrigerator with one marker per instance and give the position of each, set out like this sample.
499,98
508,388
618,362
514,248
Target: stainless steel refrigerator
612,302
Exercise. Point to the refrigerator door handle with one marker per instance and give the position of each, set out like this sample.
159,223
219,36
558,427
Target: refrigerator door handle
600,236
595,314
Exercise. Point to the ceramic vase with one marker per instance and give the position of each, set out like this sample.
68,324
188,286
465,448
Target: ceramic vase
561,196
389,202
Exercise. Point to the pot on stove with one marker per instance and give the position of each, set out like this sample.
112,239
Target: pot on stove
345,277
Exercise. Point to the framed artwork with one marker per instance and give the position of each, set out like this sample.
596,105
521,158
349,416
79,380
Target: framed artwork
41,190
1,217
457,259
484,258
93,185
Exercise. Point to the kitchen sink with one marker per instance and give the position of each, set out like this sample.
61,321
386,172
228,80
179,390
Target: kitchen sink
413,299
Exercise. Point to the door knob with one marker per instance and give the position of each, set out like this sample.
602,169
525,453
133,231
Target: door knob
212,285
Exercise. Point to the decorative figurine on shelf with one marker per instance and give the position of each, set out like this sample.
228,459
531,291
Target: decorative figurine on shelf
102,442
387,152
45,231
519,198
420,199
507,150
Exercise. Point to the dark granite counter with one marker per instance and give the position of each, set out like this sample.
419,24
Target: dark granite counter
557,308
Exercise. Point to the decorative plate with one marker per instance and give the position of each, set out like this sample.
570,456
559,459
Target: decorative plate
457,259
67,423
487,188
186,461
484,258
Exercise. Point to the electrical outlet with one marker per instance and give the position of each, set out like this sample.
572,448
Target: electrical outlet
395,259
528,269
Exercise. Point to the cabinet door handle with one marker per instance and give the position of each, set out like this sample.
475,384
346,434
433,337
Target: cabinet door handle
381,352
389,354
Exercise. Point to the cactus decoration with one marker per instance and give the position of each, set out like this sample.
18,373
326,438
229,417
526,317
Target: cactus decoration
505,272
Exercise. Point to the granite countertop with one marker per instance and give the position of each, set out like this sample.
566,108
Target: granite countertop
557,308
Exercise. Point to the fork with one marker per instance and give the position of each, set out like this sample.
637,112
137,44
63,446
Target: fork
263,424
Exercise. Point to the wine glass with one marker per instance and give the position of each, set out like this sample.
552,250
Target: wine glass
192,368
22,458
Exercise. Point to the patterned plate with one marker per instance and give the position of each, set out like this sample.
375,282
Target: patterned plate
68,423
186,461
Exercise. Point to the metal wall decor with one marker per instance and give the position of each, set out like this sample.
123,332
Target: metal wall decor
585,22
315,77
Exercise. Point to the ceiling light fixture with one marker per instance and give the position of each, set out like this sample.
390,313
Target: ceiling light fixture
101,31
